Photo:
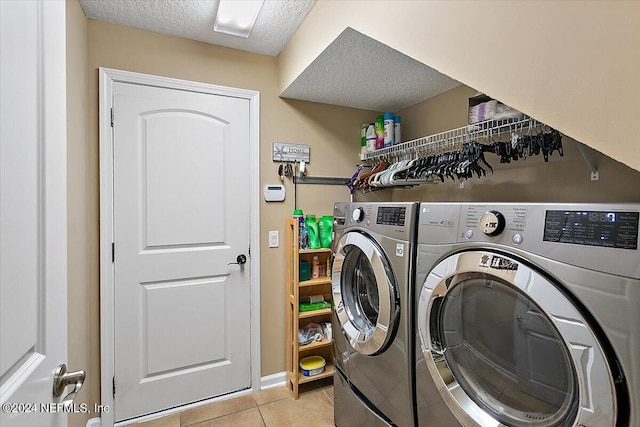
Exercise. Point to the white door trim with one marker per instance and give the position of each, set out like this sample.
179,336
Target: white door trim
107,78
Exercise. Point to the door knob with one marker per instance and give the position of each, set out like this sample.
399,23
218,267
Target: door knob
241,259
63,378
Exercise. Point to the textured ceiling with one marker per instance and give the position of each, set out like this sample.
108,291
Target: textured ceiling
193,19
358,71
353,71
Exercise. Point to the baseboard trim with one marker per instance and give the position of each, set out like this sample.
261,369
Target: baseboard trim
273,380
266,382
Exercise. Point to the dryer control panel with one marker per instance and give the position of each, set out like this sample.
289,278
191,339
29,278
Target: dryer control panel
603,237
614,229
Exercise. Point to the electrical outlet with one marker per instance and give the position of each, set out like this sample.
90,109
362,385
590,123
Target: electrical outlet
273,239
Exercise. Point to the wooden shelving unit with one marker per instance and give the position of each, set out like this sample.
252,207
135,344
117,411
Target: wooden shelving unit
297,319
316,313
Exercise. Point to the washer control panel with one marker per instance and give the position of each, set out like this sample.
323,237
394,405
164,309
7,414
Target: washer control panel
397,220
391,215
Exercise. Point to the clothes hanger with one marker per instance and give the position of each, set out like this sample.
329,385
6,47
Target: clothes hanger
384,179
363,180
400,175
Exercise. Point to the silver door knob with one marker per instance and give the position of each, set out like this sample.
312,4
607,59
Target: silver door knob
62,378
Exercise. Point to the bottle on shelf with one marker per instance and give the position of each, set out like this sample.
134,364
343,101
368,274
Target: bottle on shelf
312,228
303,240
388,129
379,126
371,137
363,138
325,227
315,267
397,133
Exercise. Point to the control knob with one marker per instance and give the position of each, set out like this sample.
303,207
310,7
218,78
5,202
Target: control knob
358,214
492,223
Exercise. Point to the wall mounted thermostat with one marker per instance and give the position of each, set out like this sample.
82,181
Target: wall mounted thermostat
274,193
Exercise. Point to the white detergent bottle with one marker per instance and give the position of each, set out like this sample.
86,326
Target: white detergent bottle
388,129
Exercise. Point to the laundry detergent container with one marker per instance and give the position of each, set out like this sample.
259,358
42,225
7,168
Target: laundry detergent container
312,227
325,228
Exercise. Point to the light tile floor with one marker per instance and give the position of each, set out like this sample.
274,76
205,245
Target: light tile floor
266,408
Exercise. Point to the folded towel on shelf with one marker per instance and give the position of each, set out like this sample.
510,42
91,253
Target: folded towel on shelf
310,333
483,111
313,306
504,112
493,110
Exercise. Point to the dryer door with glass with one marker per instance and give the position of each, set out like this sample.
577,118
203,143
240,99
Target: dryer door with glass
506,347
364,293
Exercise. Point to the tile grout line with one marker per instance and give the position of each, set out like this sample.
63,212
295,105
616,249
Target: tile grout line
325,393
327,396
259,411
264,423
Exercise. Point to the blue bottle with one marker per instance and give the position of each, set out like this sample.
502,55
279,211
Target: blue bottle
303,236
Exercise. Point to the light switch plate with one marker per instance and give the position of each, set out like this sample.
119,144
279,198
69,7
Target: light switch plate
274,239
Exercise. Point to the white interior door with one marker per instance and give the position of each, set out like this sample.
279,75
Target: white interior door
33,261
181,216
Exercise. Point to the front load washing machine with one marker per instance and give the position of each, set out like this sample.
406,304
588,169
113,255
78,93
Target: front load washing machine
528,315
372,276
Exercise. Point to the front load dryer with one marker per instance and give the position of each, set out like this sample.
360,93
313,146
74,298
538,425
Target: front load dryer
372,276
528,315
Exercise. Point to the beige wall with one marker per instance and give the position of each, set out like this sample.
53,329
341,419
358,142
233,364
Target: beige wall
83,344
332,132
562,179
574,65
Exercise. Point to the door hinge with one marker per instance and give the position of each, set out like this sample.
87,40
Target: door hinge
112,117
113,252
114,386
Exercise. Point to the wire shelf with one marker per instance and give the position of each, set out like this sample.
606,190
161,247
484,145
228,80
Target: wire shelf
452,140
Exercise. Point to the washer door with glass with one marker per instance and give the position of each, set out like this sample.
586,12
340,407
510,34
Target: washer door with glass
364,293
507,348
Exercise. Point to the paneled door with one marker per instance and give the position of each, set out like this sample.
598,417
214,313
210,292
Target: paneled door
181,247
33,208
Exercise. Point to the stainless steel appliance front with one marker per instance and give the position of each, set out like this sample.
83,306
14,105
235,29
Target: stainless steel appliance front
372,274
528,326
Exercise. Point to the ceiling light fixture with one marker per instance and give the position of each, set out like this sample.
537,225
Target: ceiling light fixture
236,17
